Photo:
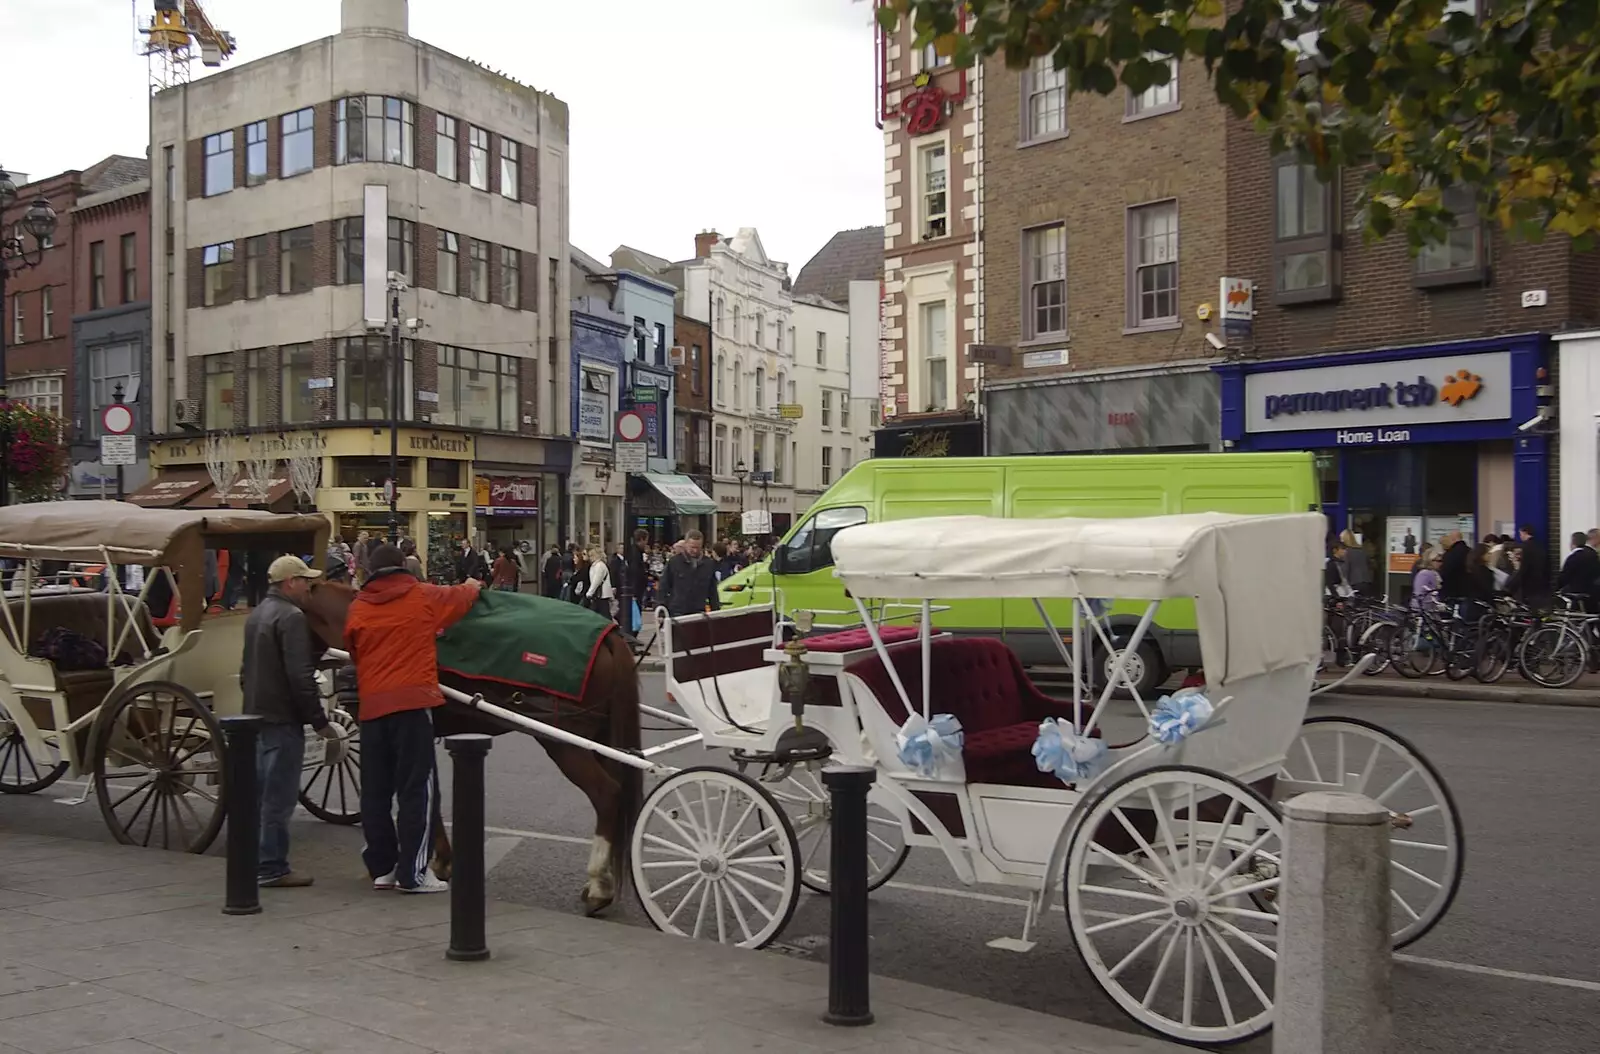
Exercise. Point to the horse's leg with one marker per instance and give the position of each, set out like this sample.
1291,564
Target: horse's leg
442,857
585,771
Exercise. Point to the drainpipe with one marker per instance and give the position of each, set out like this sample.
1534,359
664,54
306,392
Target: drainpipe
979,402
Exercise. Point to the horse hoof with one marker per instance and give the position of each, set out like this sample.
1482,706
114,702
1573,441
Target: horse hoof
593,906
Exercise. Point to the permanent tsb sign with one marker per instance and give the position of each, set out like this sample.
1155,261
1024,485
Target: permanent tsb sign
1380,402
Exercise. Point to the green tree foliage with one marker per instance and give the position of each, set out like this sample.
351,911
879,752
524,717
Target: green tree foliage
1411,96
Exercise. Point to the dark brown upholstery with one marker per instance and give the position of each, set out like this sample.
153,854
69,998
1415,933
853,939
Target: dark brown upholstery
981,683
84,613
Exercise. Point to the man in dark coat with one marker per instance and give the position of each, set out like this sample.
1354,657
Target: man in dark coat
1533,577
1454,575
689,583
471,563
1580,575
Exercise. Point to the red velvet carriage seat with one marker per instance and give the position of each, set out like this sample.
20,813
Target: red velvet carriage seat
856,639
982,684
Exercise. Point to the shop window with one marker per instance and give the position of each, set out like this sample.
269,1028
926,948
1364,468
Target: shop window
443,474
1305,240
296,368
477,389
1458,257
368,471
255,387
219,390
365,379
596,404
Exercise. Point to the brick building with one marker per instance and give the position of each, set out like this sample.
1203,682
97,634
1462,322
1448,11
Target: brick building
271,180
692,411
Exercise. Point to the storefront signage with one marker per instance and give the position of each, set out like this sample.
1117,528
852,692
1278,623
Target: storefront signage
1155,411
1358,399
357,441
505,495
338,499
437,444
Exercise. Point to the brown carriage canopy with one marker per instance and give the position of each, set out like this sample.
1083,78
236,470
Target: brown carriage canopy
90,531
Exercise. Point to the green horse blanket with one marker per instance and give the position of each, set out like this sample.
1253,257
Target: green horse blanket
525,640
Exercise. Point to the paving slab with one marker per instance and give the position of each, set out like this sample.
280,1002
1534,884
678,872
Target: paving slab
90,967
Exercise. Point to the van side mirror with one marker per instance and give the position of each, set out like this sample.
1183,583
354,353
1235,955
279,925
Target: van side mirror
776,565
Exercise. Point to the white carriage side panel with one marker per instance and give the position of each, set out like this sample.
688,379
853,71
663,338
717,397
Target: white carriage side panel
1018,826
718,705
879,730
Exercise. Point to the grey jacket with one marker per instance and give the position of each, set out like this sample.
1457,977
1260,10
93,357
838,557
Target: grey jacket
688,586
278,674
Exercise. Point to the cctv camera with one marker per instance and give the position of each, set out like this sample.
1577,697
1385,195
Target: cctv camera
1215,341
413,324
1536,420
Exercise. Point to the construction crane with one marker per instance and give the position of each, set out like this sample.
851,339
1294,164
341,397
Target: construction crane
170,37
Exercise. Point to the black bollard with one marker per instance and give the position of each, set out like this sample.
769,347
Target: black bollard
848,999
243,802
467,754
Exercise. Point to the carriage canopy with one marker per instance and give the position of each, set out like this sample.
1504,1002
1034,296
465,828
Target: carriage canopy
1256,580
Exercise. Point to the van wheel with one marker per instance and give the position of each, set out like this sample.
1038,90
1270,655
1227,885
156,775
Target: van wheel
1146,669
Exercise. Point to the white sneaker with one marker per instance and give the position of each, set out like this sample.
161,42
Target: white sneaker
384,881
428,883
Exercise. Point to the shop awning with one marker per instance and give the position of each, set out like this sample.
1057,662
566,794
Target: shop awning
171,489
686,498
243,493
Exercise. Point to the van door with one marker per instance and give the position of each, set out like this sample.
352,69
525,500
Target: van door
803,565
916,490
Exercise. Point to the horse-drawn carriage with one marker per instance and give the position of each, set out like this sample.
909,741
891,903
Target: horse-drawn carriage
1160,831
91,686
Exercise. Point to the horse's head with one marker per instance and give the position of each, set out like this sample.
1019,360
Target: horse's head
326,606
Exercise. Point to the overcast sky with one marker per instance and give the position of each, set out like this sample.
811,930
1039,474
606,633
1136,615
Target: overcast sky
686,114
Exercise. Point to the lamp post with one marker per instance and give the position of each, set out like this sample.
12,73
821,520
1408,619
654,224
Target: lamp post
40,222
741,472
116,397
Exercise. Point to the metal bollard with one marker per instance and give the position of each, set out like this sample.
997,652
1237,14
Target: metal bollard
1334,955
849,1001
243,801
467,754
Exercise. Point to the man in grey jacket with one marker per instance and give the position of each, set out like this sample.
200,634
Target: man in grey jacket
279,679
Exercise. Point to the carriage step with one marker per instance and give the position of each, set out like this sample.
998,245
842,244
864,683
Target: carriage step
1012,944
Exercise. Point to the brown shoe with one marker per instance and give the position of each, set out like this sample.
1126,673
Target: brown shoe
289,880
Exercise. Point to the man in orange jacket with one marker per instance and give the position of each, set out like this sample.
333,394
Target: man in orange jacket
390,634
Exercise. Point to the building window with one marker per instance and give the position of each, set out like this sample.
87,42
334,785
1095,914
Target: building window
844,411
255,260
719,314
41,391
219,390
721,386
510,169
1158,98
661,344
365,380
255,388
97,275
374,128
295,370
402,247
47,313
1045,249
1302,234
1459,257
169,159
510,276
932,169
737,451
109,366
219,163
1153,278
777,335
761,329
734,332
255,153
929,59
640,338
477,389
719,456
738,384
478,259
296,155
827,465
777,461
758,452
130,268
596,404
792,397
217,264
449,262
761,388
782,387
695,384
844,461
294,260
478,158
349,254
16,319
1046,109
935,356
827,408
822,348
445,148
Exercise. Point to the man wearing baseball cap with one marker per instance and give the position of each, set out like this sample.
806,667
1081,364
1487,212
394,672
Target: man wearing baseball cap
278,676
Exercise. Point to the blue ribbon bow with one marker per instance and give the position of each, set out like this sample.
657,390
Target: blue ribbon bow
1061,749
1179,716
926,746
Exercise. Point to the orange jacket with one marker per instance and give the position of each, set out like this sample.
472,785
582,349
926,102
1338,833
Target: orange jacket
390,635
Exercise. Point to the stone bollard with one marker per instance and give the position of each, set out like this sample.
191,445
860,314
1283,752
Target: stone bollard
1334,956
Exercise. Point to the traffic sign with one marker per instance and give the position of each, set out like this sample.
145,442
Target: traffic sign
119,450
117,419
791,411
630,426
633,457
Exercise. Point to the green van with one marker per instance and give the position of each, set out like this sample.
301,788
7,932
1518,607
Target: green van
1100,486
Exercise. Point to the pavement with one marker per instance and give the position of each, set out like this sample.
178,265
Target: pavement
108,949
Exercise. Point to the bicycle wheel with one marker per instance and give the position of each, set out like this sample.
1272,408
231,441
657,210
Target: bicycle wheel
1382,641
1422,651
1461,651
1553,656
1494,653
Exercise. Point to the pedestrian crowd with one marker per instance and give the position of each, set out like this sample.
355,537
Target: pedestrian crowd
1456,573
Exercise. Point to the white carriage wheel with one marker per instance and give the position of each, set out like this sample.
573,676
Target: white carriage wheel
1427,850
714,856
1179,902
332,793
20,771
810,810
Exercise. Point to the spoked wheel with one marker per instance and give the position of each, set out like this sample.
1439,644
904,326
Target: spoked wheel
1383,641
810,810
1168,928
1553,656
1494,655
1427,850
332,793
714,857
20,771
158,770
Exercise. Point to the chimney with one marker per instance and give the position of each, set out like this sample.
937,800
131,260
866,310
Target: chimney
391,15
703,243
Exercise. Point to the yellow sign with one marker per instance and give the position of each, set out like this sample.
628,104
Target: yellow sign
344,441
791,411
411,499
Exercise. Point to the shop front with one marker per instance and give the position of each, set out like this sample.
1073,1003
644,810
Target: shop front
668,505
1168,410
597,491
932,435
1411,443
735,499
526,482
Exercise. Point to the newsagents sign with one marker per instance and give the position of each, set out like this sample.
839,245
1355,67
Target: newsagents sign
1381,396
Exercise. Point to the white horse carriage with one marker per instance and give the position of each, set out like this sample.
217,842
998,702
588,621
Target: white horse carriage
1156,826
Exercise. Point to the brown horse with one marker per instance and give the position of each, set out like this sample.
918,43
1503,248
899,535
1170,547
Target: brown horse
608,714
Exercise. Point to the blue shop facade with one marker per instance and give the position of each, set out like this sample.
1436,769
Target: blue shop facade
1411,442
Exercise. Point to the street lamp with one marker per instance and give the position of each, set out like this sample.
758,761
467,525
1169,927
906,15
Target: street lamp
40,222
741,472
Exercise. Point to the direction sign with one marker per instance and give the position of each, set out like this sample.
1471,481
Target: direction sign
791,411
633,457
119,450
630,426
117,419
